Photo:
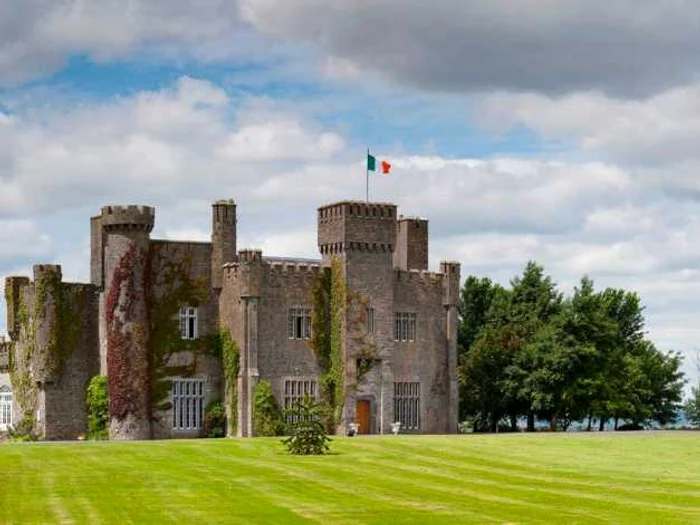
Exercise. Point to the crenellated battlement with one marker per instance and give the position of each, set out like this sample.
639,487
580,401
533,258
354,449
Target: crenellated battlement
356,226
369,210
249,256
128,218
284,270
418,276
274,269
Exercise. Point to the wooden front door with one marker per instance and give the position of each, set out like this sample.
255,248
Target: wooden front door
363,416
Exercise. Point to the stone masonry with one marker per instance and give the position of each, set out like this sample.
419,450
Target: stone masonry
63,334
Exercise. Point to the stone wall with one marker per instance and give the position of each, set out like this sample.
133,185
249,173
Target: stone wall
425,359
65,413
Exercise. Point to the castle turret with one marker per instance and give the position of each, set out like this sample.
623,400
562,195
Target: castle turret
250,266
411,252
126,259
450,299
47,289
223,239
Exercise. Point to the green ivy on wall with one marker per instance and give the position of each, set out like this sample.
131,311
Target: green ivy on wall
20,362
230,359
336,311
172,289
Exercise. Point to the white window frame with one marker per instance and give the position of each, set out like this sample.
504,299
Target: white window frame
5,409
404,326
187,397
299,323
188,323
295,389
407,405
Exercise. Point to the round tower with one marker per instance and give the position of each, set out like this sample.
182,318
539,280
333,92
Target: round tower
127,237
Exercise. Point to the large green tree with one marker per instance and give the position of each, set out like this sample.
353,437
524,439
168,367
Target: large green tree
527,351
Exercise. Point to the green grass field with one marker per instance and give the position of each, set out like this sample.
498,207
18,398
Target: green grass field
544,478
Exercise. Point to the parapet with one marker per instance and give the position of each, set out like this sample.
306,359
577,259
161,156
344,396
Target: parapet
128,218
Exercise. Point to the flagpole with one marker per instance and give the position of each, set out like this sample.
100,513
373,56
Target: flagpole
367,173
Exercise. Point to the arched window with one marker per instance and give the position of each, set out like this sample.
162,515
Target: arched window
5,407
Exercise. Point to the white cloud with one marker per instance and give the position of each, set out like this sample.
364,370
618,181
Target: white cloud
180,139
279,138
19,238
659,130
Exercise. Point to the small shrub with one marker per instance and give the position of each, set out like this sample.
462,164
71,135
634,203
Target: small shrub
97,401
307,435
22,431
267,418
215,420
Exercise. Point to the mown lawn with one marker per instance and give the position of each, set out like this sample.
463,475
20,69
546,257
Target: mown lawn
544,478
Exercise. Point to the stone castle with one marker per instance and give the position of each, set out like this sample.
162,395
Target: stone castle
150,316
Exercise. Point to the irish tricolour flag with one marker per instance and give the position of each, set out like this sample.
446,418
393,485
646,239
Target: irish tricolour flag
372,165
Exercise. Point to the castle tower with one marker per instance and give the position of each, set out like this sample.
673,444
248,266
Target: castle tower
450,295
363,236
411,252
223,239
126,260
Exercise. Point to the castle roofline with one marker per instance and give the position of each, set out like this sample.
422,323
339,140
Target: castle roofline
412,218
355,202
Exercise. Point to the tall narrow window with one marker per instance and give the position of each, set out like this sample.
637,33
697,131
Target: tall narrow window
188,403
188,323
299,323
5,408
407,405
295,391
404,326
370,320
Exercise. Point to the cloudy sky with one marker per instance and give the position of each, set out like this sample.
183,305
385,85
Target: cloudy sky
564,131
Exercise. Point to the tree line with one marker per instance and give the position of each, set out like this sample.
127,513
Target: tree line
527,353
